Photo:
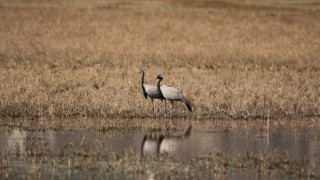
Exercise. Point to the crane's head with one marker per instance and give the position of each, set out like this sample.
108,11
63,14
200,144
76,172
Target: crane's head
143,70
160,77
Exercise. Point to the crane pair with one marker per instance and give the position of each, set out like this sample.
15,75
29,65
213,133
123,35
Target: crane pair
163,92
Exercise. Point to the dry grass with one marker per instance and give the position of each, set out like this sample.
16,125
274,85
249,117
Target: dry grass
232,63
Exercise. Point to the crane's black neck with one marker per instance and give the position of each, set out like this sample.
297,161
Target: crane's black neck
142,145
159,144
159,89
142,79
142,85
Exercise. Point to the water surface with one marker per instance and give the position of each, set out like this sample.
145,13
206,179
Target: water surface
188,142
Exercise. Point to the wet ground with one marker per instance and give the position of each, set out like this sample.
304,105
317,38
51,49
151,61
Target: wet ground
232,149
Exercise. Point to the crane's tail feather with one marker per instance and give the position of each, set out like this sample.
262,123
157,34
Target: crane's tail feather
187,103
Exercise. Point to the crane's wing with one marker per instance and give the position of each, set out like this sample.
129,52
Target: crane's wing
152,91
170,92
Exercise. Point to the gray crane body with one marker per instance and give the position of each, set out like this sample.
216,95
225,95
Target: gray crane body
172,94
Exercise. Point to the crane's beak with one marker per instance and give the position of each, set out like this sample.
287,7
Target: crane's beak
159,77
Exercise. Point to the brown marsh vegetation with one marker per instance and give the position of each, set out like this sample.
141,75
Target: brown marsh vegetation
81,59
78,59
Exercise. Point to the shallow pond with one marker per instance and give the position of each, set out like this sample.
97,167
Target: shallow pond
242,151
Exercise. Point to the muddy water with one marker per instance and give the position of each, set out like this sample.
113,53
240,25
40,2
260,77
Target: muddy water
191,141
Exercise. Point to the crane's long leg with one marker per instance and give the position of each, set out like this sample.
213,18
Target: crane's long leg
165,106
171,105
152,106
171,108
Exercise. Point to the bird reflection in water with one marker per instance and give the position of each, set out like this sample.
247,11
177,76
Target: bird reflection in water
159,144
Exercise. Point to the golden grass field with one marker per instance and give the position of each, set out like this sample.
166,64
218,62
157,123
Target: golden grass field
71,59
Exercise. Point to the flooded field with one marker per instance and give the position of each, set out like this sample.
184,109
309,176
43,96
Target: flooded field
72,104
185,149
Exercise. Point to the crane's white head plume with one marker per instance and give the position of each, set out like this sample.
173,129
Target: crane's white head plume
159,77
143,70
